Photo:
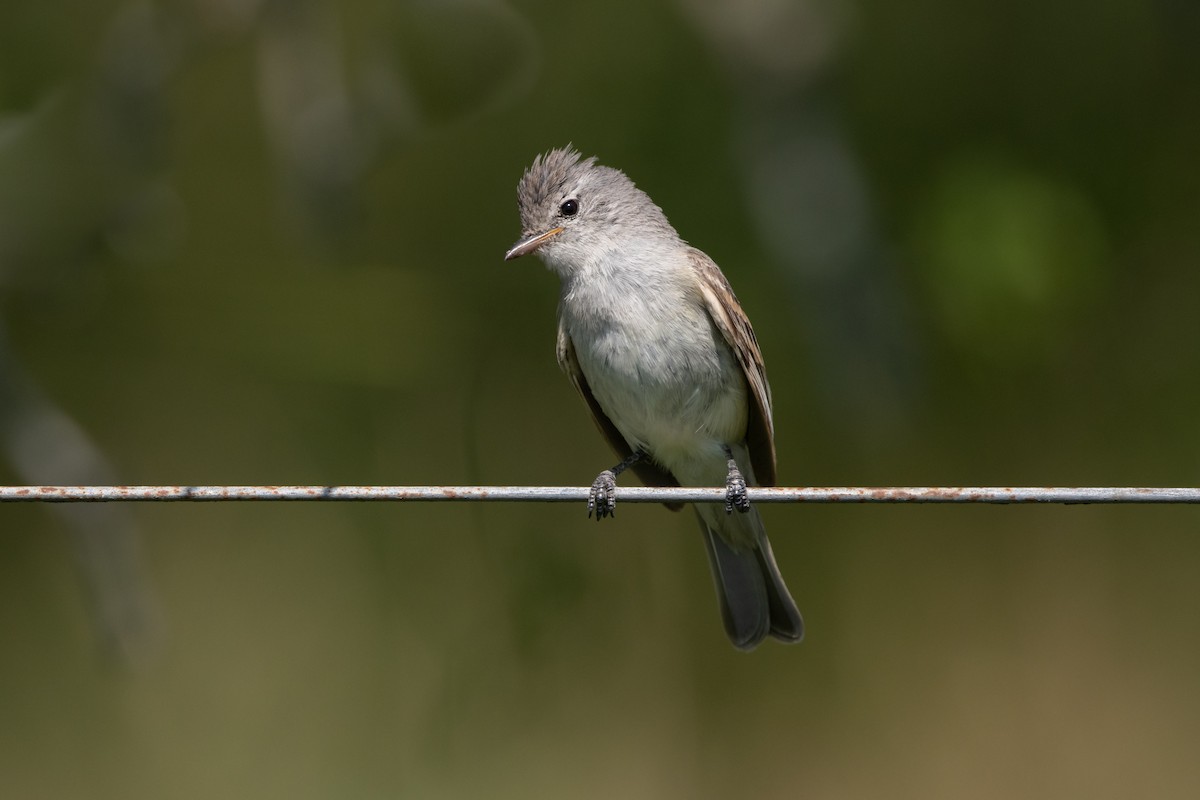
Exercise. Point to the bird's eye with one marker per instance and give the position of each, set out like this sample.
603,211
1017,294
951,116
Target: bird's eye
569,208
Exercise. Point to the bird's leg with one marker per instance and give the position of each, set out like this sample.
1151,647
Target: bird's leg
602,499
735,487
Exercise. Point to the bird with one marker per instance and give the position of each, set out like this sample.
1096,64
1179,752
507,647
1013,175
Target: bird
654,340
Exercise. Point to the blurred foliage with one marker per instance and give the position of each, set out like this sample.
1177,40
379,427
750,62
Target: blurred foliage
260,242
1010,259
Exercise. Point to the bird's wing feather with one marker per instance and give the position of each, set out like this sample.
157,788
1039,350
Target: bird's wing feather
647,471
726,313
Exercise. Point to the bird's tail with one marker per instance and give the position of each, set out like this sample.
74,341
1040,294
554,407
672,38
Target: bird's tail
755,602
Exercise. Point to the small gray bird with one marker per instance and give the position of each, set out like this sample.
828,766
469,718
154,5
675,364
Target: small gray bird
654,339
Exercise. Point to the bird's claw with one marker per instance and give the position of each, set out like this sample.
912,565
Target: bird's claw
602,499
735,492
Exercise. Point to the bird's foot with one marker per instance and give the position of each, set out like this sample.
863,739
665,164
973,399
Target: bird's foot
602,499
735,490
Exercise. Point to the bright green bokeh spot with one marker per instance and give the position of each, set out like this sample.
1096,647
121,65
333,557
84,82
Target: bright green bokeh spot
1008,256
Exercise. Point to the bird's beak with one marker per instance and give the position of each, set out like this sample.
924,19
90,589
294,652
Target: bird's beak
527,246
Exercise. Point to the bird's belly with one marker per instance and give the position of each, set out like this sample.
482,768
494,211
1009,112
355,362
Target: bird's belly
681,404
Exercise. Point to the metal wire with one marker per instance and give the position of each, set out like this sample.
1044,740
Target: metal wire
570,494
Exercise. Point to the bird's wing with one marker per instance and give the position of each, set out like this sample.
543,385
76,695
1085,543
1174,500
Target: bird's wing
647,471
726,313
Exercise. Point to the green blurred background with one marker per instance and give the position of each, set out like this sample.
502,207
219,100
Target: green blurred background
260,242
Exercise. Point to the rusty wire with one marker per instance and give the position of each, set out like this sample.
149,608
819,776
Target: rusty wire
633,494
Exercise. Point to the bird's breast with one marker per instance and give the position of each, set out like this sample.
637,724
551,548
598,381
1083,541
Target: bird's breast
659,369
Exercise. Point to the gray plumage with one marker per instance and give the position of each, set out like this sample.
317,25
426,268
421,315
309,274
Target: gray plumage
658,346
